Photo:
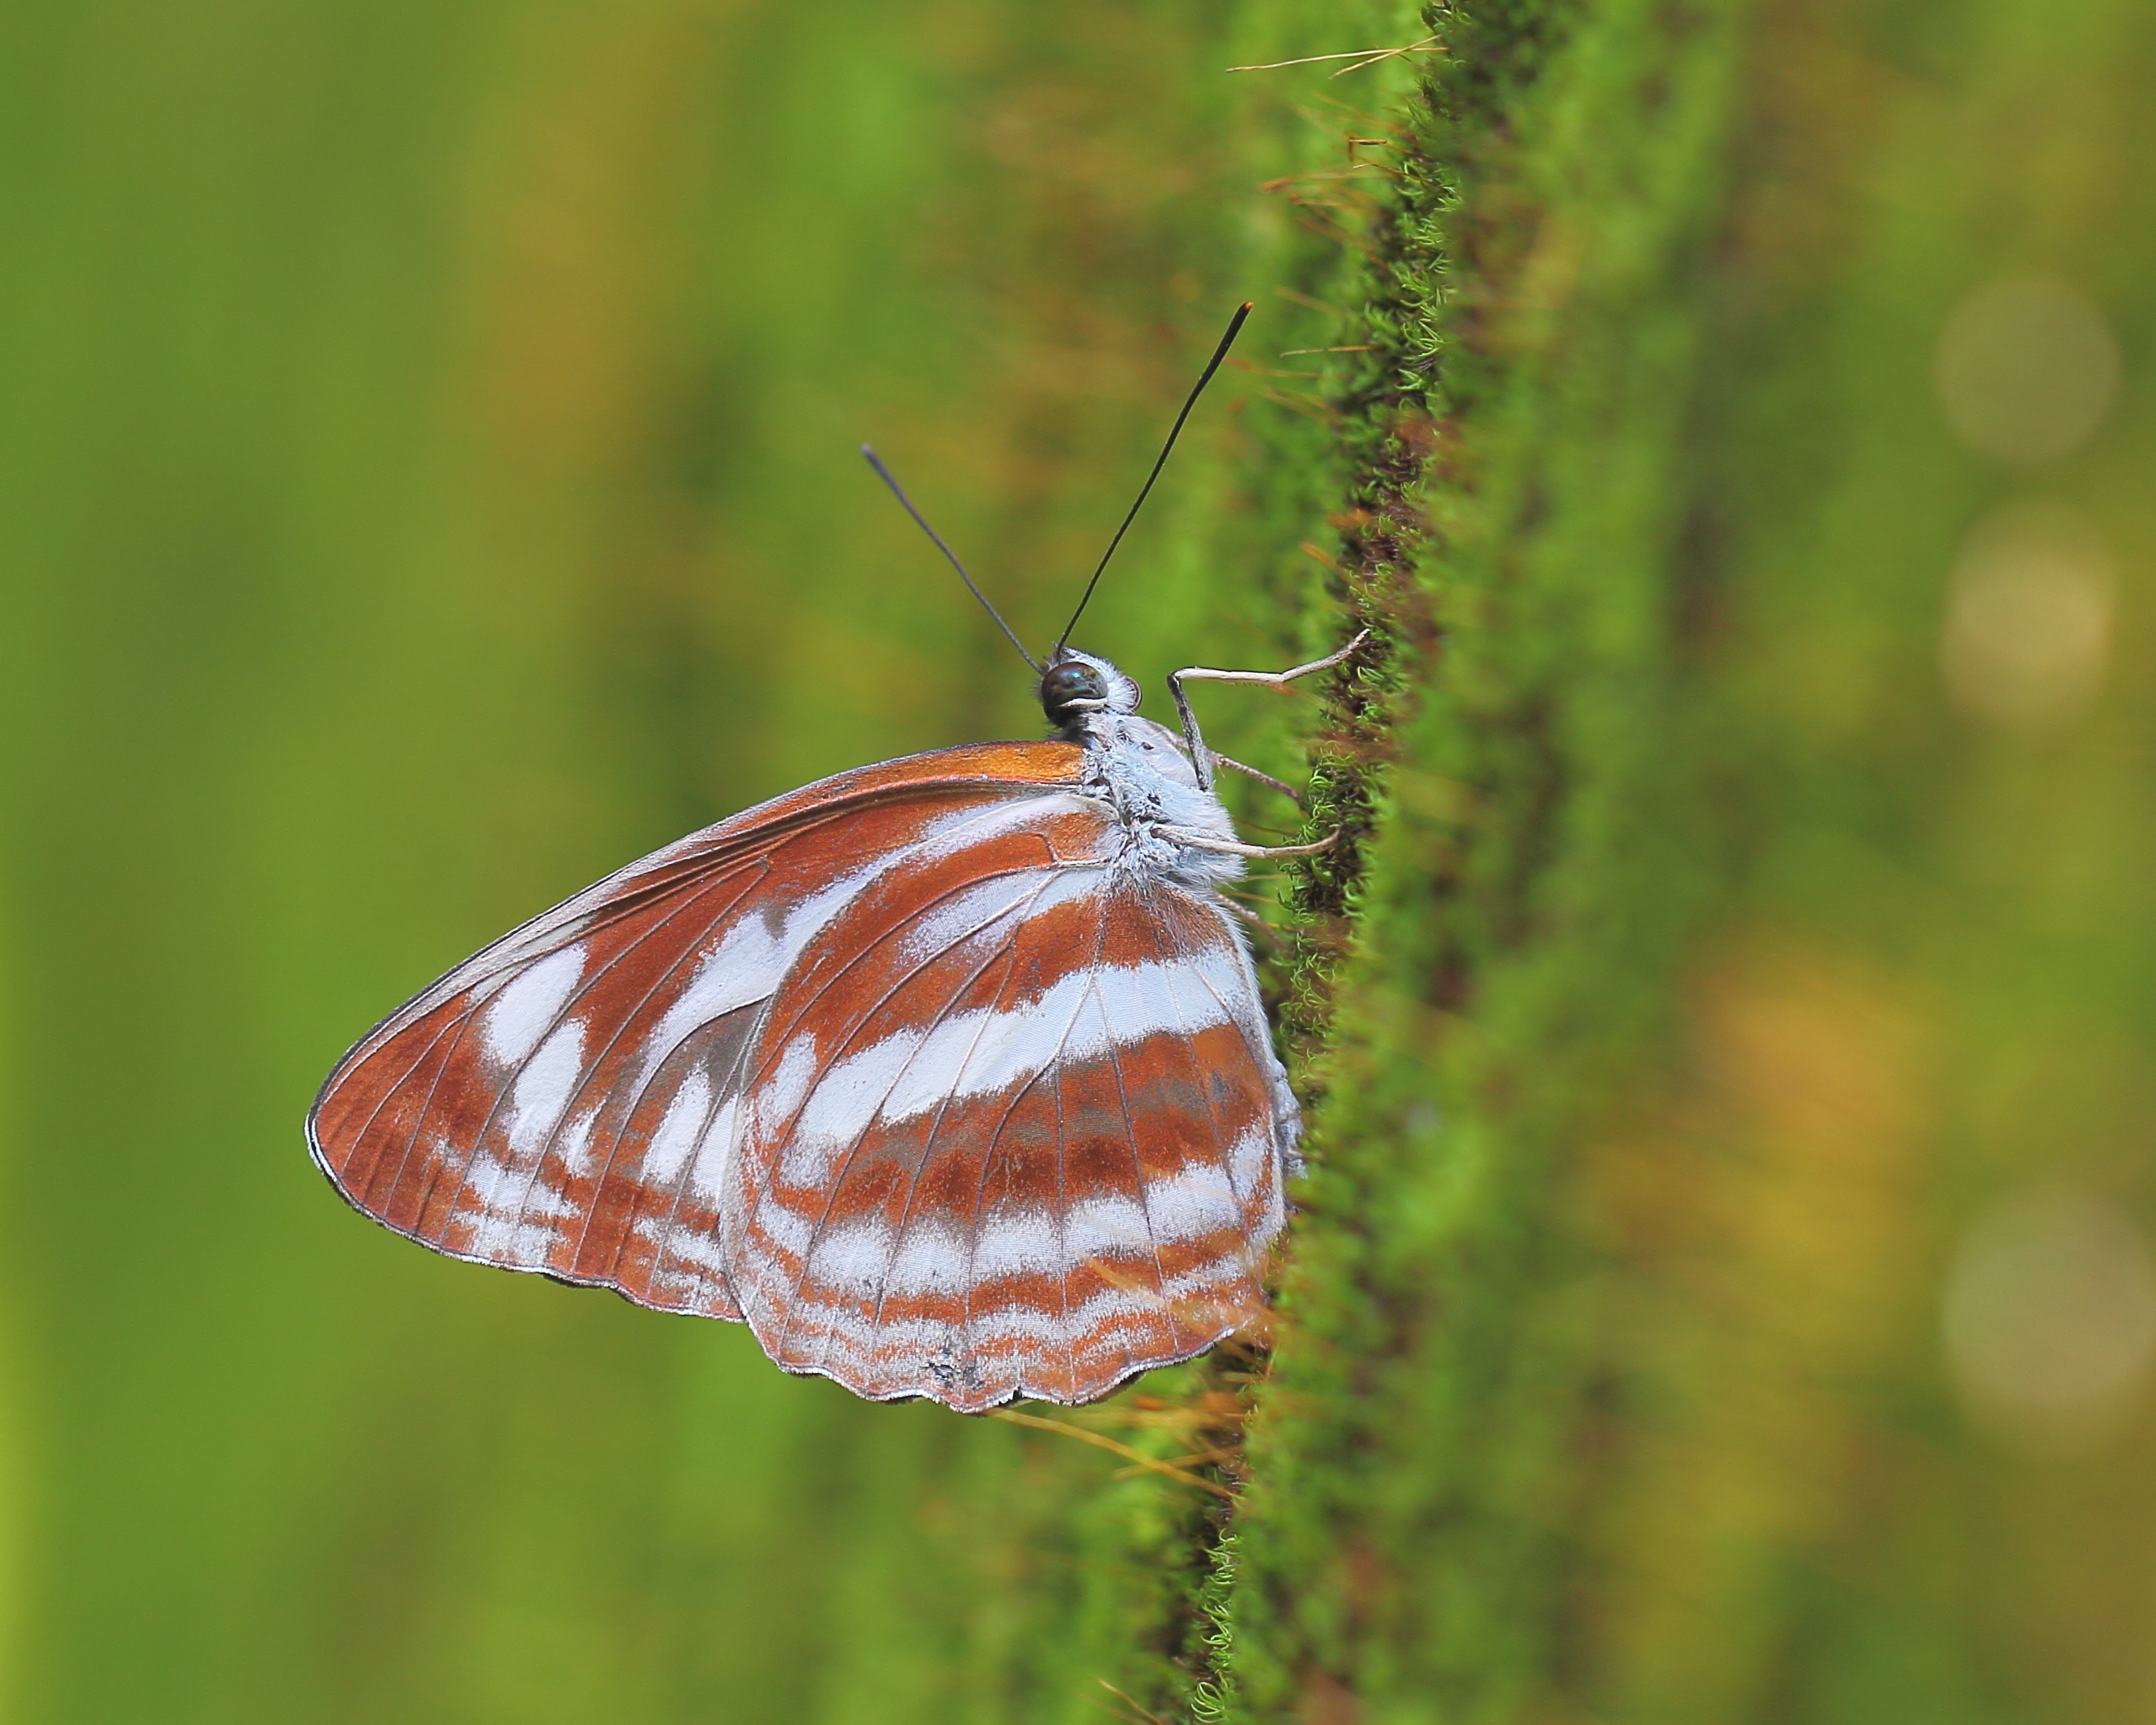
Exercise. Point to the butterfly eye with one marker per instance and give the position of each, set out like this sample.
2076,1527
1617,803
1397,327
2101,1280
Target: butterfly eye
1070,690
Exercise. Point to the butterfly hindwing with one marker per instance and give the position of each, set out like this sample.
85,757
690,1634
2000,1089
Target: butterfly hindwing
1016,1127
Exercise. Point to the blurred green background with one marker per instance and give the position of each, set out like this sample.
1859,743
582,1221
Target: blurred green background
428,479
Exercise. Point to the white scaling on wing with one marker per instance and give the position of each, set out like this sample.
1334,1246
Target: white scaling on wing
1209,985
702,1250
752,1267
1018,1320
493,1186
752,958
515,1240
840,1324
714,1155
785,1226
1115,1303
845,1104
1251,1157
973,912
851,1256
1129,1004
1016,1242
507,1226
1195,1203
906,1073
1139,1001
930,1259
573,1144
684,1261
524,1010
780,1096
984,1053
679,1131
1212,1275
542,1089
1108,1225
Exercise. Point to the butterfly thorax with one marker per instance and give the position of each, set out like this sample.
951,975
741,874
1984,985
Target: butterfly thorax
1141,769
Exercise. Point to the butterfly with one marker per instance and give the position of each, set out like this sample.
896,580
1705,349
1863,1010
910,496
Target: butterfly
948,1076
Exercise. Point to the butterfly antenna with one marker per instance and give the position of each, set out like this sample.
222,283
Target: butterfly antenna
1205,376
884,474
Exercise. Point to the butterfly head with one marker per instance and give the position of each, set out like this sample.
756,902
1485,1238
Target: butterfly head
1077,685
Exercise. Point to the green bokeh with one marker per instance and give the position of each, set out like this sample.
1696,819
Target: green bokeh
429,480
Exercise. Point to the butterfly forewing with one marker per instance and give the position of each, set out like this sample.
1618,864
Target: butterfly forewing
551,1104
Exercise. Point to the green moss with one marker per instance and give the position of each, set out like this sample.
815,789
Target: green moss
1663,674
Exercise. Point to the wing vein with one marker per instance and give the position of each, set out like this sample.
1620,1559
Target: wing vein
1009,956
912,916
689,951
1054,1065
664,1231
1162,947
508,1084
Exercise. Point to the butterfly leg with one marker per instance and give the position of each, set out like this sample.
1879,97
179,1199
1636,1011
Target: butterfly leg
1227,847
1287,791
1200,757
